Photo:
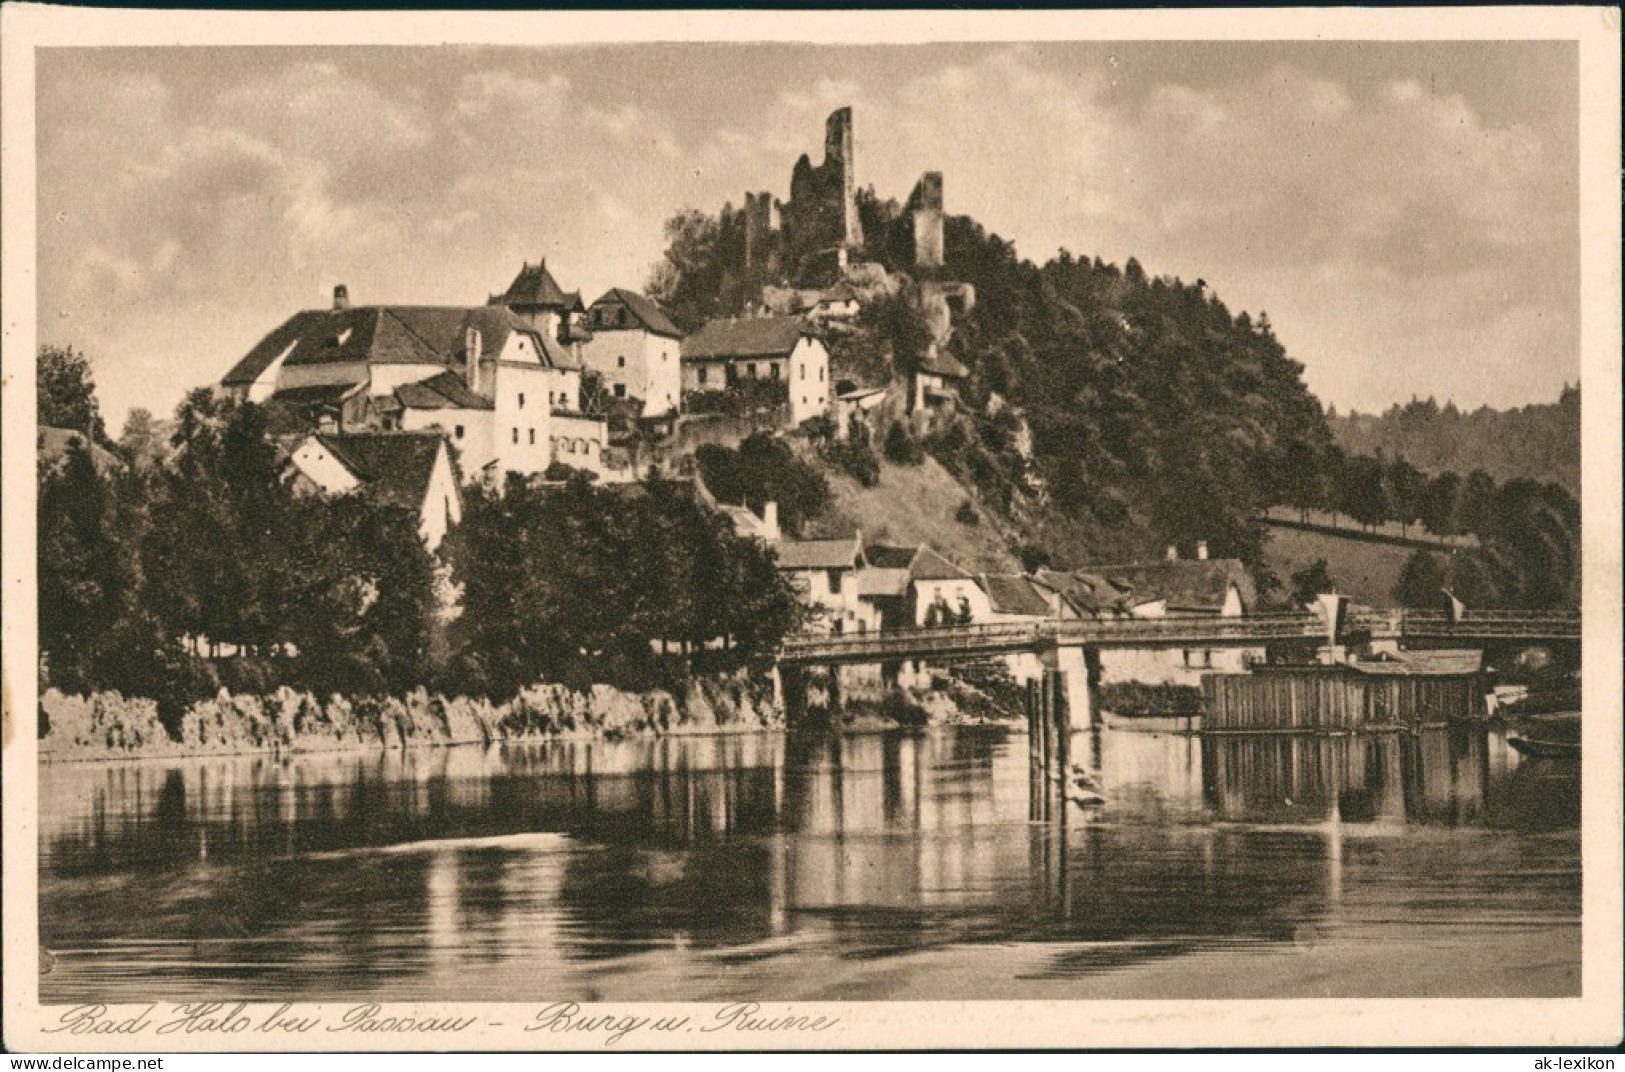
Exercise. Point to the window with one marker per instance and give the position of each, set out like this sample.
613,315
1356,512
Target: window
620,390
533,437
569,446
804,372
620,362
752,368
521,400
834,582
700,374
820,373
458,431
516,435
775,369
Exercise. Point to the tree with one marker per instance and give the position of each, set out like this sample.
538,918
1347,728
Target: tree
141,442
689,280
66,392
87,577
1421,581
1310,582
901,446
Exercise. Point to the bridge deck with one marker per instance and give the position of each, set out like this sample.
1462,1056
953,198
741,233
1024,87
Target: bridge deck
970,641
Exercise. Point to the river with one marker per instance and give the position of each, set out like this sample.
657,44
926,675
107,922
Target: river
895,865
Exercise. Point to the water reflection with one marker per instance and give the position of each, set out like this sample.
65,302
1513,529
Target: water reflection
776,866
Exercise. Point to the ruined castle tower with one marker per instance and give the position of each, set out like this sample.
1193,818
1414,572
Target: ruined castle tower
925,203
763,240
840,156
821,217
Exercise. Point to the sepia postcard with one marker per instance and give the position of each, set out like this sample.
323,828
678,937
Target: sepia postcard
831,531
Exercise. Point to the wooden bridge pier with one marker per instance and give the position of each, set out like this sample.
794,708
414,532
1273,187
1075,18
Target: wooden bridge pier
1049,741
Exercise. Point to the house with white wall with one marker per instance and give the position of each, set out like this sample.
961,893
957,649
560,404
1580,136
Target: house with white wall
489,379
637,350
786,350
824,574
412,469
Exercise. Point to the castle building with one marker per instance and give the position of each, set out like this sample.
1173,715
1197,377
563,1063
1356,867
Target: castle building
493,379
637,350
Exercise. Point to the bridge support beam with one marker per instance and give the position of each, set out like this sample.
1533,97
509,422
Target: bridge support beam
1072,662
790,681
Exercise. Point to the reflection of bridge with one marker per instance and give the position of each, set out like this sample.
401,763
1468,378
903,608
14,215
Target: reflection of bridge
1062,643
974,641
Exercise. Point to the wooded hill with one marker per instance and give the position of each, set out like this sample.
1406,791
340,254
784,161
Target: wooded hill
1157,415
1537,442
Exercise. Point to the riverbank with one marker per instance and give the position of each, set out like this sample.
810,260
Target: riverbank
107,725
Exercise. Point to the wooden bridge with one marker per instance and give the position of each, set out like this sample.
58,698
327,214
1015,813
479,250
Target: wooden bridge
1174,631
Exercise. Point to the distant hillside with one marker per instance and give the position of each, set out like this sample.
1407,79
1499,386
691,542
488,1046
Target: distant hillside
1365,572
1538,442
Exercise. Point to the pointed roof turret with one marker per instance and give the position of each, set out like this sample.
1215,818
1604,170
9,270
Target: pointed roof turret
535,288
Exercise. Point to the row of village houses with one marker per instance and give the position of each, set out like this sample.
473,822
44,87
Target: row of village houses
376,394
502,383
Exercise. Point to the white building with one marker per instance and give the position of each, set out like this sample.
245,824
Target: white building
487,377
412,469
825,576
637,350
785,350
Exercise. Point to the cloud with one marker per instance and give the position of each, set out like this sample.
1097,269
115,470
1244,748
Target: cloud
1383,225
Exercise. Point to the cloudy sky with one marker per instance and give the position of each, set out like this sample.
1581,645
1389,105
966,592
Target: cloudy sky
1406,213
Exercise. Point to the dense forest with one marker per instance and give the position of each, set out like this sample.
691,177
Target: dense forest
1157,415
172,578
1536,442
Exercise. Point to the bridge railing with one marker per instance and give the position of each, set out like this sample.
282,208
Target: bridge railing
1173,629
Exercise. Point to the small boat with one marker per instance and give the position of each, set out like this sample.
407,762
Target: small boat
1536,748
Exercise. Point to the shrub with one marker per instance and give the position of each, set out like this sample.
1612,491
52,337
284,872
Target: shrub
898,708
967,515
901,446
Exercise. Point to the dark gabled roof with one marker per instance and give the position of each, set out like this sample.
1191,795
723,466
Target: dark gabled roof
650,316
394,466
886,557
1187,584
1014,594
327,394
930,566
940,363
820,554
388,335
444,391
1088,593
535,286
762,336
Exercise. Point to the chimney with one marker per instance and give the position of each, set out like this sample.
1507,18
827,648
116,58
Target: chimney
1201,550
341,297
770,521
1173,553
471,355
